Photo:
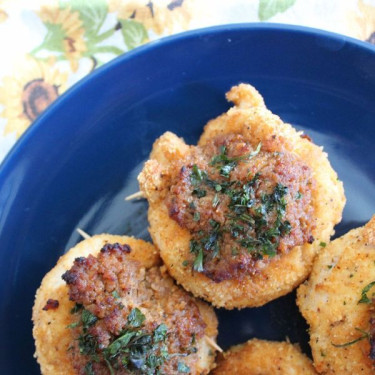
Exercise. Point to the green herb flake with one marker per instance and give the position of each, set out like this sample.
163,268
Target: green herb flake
77,307
193,339
185,263
322,244
115,294
196,216
365,290
215,201
88,369
234,251
197,175
88,319
136,318
226,164
200,193
73,325
299,195
183,368
198,261
87,344
329,266
365,335
160,333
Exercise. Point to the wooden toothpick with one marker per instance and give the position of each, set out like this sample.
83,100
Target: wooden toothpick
213,344
83,233
137,195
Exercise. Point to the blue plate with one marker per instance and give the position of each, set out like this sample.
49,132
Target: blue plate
79,160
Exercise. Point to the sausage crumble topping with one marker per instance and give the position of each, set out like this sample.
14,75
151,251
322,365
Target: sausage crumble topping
51,304
241,204
128,319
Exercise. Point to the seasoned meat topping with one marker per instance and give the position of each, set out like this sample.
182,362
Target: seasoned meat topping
51,304
128,319
241,204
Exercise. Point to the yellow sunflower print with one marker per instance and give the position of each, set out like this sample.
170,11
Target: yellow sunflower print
71,32
28,92
3,13
159,16
361,24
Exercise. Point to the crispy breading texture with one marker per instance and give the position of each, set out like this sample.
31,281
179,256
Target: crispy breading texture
52,338
329,301
250,118
264,357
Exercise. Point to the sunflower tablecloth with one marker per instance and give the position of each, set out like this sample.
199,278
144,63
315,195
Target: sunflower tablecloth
48,45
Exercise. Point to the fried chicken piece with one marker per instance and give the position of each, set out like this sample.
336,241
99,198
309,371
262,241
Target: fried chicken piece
337,302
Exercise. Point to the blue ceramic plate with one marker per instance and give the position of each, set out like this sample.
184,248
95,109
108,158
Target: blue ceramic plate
76,164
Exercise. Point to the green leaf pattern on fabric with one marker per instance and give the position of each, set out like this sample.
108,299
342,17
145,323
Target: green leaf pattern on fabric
53,41
92,13
133,32
269,8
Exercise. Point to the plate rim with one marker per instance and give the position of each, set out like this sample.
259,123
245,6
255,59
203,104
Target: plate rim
11,158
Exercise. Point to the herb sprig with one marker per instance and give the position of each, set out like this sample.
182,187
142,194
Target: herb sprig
365,335
365,290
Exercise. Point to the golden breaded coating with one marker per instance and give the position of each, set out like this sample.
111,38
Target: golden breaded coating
260,357
281,154
58,330
330,302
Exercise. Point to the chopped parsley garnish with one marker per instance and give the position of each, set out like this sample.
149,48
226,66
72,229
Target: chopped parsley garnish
88,319
182,368
77,307
215,201
136,318
133,349
365,290
226,164
298,195
88,369
197,175
200,193
255,222
322,244
197,250
115,294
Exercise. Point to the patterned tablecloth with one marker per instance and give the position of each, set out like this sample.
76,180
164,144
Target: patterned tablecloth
48,45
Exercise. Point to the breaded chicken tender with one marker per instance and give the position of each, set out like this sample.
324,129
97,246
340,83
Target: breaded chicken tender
260,357
108,307
338,304
239,218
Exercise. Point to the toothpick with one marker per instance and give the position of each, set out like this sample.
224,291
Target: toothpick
137,195
83,233
213,344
